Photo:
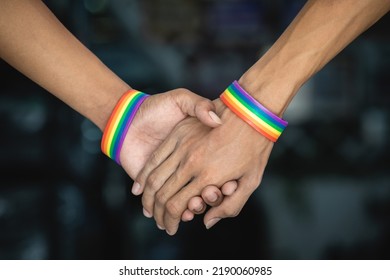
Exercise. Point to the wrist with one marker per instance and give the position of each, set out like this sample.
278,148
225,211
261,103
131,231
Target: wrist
119,122
252,112
234,124
103,106
272,91
277,76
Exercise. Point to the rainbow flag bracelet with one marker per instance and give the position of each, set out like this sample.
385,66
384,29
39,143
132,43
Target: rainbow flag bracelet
120,120
252,112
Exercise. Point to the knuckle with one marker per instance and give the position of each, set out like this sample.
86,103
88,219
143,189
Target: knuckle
154,158
146,203
173,210
231,212
152,182
182,90
160,198
254,183
207,176
204,103
194,157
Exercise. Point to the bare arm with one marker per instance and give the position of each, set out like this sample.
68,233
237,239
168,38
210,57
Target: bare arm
235,151
35,42
318,33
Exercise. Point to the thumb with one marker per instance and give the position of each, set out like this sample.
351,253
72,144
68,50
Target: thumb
197,106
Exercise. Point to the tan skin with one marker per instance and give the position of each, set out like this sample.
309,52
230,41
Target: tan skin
33,41
195,156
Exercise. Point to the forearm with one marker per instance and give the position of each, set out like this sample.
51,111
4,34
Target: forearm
319,32
33,41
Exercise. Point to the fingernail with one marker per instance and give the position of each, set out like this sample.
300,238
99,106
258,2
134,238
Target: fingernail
136,189
147,214
214,117
200,208
212,222
160,227
171,232
213,197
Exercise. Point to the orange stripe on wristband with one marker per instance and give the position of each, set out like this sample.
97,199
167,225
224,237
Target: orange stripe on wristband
119,123
252,112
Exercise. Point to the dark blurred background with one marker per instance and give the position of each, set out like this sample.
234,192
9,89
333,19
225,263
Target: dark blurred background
326,189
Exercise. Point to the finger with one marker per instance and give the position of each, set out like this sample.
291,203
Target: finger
172,186
196,205
197,106
156,158
156,179
212,195
177,204
187,216
229,188
146,213
231,205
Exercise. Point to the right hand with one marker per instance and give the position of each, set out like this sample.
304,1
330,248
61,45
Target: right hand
194,156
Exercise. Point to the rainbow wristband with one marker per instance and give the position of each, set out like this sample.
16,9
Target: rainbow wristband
119,123
252,112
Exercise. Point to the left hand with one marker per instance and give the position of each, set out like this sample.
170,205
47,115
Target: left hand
155,119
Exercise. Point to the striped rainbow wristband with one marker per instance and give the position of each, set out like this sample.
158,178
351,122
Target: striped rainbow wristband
119,123
252,112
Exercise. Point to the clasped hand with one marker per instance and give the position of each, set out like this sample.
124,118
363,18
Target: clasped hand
194,159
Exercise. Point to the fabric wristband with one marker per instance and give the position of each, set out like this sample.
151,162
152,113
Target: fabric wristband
119,122
252,112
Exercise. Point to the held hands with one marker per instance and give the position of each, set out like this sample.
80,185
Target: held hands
194,156
155,119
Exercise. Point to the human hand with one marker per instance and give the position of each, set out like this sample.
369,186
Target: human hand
195,156
155,119
211,195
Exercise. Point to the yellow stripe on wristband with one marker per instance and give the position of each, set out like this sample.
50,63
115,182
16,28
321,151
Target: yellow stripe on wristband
119,123
252,112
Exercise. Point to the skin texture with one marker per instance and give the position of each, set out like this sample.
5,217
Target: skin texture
33,41
202,161
193,156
